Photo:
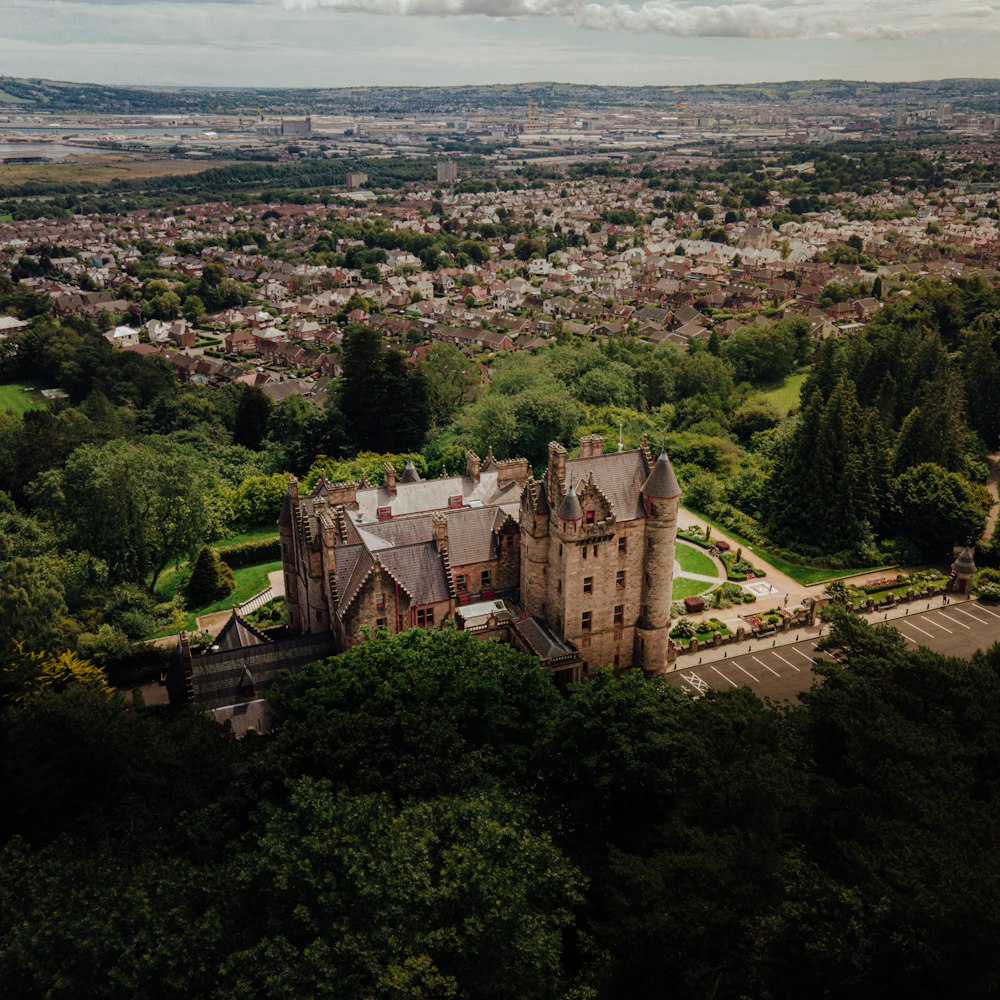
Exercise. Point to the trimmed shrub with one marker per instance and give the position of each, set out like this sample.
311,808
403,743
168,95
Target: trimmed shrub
210,580
250,553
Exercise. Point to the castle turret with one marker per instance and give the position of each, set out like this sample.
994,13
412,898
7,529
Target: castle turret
963,569
534,523
570,509
661,493
289,553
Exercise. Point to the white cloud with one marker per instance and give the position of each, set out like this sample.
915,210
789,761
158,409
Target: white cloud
850,19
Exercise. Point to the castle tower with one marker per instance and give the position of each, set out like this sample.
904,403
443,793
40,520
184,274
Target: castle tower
289,555
661,493
534,524
565,555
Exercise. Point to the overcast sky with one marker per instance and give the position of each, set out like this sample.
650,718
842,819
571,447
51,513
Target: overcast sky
346,42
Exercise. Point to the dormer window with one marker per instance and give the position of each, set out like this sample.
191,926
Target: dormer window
456,501
384,513
589,517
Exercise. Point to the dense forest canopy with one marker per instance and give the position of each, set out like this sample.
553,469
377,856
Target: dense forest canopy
432,819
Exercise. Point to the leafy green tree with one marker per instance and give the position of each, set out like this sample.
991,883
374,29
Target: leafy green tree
135,505
417,714
611,383
934,509
193,309
452,380
33,606
448,897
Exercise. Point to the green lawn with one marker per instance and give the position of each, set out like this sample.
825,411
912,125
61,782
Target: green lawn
13,398
6,217
250,580
684,587
693,560
786,396
806,575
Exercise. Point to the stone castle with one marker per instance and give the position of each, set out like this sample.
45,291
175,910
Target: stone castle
575,568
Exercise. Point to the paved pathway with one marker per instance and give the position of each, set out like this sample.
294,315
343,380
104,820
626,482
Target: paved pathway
785,584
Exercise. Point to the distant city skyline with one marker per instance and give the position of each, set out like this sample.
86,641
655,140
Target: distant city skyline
309,43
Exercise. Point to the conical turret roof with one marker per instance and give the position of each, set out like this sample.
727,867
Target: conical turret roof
570,509
662,483
410,474
964,565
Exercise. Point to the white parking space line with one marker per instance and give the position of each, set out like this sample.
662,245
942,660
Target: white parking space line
804,656
912,624
789,662
908,638
725,678
937,624
954,621
766,667
981,621
980,607
747,672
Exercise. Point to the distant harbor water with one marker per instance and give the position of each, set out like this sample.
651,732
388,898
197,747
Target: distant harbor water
64,129
42,150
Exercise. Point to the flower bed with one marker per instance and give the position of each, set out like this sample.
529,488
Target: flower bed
704,631
900,585
696,537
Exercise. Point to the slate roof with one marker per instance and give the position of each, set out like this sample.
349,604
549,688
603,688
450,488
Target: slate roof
543,643
620,476
434,494
470,535
419,570
239,634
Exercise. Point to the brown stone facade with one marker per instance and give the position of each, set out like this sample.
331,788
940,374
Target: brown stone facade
584,556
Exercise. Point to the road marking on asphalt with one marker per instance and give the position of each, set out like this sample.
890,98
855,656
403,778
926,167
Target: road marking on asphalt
912,624
747,672
789,662
981,621
766,667
939,625
701,686
954,621
724,677
908,638
803,655
987,611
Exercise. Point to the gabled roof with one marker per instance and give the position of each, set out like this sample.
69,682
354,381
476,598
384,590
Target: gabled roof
237,633
620,475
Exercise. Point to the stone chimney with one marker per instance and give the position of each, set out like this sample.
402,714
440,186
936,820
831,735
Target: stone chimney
389,476
555,474
591,446
440,522
473,464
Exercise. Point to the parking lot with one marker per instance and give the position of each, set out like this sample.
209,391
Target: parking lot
781,672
